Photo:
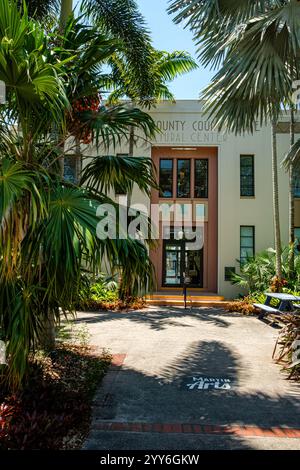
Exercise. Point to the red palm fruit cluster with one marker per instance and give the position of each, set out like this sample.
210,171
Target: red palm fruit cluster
83,132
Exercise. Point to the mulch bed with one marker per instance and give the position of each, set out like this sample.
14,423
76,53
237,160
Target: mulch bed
53,411
115,306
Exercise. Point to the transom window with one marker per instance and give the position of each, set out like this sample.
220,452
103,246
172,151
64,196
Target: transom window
189,176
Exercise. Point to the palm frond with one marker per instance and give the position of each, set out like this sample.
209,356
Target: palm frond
120,173
111,124
257,74
137,269
69,234
122,20
39,9
173,64
213,21
165,68
292,157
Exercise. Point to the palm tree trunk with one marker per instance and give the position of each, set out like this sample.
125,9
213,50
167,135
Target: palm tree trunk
66,8
48,340
130,154
124,290
276,215
291,202
78,167
131,141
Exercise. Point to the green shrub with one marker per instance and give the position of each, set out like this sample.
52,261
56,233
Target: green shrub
92,291
257,273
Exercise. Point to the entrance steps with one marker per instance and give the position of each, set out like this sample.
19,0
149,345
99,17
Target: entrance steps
194,299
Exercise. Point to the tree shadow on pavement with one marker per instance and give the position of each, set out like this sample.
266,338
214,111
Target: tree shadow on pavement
141,398
163,317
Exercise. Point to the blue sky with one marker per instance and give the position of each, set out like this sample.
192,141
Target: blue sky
168,36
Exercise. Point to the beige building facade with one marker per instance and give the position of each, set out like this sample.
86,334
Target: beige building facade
227,179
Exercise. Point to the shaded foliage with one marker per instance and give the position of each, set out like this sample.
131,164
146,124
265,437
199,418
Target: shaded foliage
35,418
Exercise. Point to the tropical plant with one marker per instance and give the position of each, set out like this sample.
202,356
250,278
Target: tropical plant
244,306
48,227
257,45
165,67
85,50
110,124
120,174
105,125
122,20
286,351
116,19
257,273
95,290
40,9
291,174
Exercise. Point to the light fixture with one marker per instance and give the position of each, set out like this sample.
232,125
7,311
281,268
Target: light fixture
180,234
193,149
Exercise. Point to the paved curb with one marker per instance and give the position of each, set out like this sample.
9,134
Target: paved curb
179,428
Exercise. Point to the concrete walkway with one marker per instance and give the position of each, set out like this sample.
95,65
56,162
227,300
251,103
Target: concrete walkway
155,397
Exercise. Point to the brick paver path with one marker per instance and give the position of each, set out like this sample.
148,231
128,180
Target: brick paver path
145,401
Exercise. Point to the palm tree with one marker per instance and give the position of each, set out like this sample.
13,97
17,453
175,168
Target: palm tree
31,104
292,200
40,9
165,68
122,20
48,227
109,125
119,19
66,10
257,44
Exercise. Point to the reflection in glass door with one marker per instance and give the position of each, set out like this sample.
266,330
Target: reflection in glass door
193,267
180,262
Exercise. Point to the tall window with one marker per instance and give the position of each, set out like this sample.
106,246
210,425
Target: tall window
247,175
297,240
247,241
166,178
183,178
201,178
70,169
296,182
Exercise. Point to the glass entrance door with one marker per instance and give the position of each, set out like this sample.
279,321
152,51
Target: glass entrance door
193,266
179,261
173,264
